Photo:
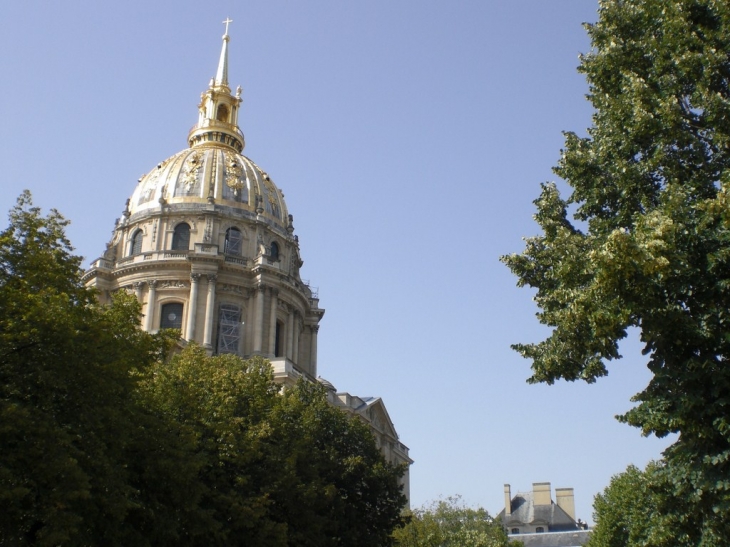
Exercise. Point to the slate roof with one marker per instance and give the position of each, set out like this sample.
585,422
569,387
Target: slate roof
575,538
524,511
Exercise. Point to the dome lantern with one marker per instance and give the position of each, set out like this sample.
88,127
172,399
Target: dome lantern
218,109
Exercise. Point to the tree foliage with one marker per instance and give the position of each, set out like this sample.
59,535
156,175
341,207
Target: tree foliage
638,509
449,523
108,440
648,245
66,379
277,468
626,512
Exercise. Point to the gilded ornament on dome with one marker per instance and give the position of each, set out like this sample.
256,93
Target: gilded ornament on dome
150,183
272,197
191,170
234,170
148,190
271,193
270,190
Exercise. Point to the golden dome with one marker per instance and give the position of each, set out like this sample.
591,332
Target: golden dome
212,171
210,174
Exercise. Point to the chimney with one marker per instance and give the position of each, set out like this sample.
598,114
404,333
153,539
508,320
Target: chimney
566,501
507,501
541,493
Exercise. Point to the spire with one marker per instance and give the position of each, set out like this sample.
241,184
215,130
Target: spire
218,109
221,77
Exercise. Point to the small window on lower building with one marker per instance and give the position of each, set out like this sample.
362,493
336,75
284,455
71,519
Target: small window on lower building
539,530
515,531
171,316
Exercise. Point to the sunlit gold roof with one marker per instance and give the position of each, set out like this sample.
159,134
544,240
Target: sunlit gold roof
212,170
210,174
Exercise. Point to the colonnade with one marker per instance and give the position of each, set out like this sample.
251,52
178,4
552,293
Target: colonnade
294,326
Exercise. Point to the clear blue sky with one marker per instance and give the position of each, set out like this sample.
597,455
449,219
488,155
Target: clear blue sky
410,138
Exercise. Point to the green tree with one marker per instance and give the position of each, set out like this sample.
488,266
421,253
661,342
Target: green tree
449,523
277,468
221,405
637,509
649,243
626,511
52,404
67,379
340,489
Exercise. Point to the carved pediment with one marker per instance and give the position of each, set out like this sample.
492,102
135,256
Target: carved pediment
378,416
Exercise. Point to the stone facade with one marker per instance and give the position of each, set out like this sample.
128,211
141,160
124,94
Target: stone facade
207,245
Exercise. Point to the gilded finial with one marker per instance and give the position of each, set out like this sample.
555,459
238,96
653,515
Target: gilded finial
221,77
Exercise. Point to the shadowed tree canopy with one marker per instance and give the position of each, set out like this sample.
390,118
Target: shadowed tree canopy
68,425
283,469
643,237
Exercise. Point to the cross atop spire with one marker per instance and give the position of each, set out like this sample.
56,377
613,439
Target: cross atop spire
221,77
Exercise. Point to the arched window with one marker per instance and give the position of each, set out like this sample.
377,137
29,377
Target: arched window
181,237
136,246
229,328
274,251
234,241
171,316
515,531
222,115
539,530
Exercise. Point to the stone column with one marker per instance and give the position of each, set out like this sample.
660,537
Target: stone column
290,335
274,305
151,302
192,306
209,312
138,290
313,350
258,324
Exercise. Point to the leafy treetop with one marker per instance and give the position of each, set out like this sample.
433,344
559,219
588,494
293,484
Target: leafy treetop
648,245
